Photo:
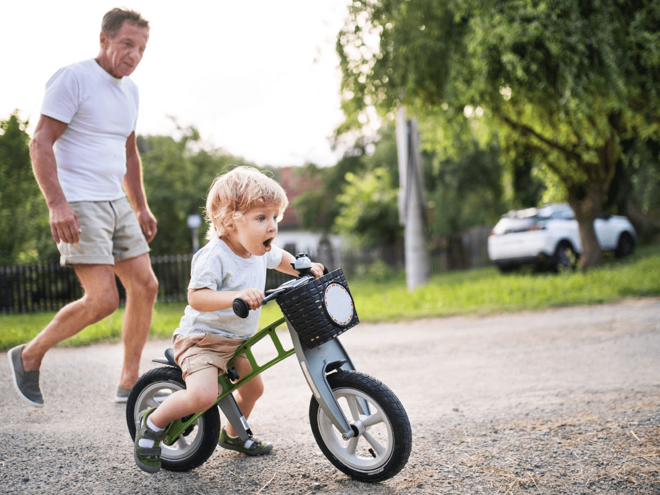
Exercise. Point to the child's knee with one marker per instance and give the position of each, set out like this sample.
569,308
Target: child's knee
202,399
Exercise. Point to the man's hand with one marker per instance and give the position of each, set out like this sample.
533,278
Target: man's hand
64,224
148,224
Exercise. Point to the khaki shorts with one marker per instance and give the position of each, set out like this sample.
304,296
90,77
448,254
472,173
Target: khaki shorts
200,351
110,233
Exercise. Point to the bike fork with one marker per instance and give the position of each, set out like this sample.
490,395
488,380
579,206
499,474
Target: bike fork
235,417
316,363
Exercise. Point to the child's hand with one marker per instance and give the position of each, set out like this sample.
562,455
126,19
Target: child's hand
251,296
317,270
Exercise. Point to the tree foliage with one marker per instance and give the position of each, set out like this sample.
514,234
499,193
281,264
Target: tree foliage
177,176
369,210
23,212
566,81
358,195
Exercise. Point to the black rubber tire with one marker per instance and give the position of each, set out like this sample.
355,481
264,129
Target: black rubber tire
565,257
395,427
625,246
504,269
189,451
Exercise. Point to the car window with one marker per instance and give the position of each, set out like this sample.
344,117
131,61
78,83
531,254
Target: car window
507,225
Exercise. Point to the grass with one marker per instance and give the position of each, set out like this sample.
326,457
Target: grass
475,292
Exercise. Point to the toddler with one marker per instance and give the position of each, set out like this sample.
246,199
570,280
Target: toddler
243,209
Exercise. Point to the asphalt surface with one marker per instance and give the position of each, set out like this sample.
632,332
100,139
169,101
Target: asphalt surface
457,377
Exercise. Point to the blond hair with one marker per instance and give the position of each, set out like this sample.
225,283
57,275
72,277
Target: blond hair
233,194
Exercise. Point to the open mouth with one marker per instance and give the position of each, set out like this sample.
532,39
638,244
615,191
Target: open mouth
267,243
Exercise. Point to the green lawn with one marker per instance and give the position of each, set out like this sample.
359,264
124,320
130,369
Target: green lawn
479,291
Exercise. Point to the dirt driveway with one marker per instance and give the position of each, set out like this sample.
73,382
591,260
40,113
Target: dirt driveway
558,401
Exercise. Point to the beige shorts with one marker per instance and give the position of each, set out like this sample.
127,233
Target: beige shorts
200,351
110,233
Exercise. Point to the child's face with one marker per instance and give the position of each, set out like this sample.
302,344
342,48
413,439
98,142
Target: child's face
254,231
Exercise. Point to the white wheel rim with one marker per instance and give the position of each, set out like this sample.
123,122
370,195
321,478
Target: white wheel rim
377,438
153,396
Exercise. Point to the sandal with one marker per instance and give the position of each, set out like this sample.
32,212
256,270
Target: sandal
252,446
148,458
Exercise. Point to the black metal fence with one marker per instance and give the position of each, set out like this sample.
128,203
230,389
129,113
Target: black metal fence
26,289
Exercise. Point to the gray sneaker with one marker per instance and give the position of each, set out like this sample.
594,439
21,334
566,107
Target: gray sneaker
122,394
25,382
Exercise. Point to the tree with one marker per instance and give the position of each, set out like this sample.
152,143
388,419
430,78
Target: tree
23,214
566,80
369,211
177,177
319,208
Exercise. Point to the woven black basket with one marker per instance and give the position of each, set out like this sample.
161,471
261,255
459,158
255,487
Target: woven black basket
305,308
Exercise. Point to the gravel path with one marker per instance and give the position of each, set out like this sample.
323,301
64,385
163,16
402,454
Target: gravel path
558,401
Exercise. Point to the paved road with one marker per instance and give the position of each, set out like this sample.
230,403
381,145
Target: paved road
449,373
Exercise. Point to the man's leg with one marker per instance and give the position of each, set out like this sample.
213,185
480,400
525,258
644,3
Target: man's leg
139,280
100,300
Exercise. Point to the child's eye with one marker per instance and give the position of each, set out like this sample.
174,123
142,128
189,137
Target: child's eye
261,218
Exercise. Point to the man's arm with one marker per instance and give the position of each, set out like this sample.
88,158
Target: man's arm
64,224
134,188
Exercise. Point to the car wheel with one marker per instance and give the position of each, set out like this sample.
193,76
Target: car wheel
625,246
565,257
507,268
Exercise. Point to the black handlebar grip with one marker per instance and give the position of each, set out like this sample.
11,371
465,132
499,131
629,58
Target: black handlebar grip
241,308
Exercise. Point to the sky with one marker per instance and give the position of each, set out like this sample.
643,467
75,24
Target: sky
258,78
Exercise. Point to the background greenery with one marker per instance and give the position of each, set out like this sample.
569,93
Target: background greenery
568,87
475,292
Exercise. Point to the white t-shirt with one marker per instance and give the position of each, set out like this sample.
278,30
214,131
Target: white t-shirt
101,112
217,267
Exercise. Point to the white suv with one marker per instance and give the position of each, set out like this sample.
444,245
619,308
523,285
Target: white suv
550,236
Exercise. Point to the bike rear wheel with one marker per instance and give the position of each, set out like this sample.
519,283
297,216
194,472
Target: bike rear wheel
195,445
383,441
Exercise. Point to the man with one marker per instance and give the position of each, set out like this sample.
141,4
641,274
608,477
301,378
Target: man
83,151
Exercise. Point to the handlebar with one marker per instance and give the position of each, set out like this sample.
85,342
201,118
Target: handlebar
242,309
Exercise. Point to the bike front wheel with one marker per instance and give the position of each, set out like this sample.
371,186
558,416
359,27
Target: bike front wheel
195,445
383,442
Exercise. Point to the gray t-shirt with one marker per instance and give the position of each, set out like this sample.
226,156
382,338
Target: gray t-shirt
217,267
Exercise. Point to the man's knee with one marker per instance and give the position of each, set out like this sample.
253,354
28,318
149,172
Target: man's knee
150,284
144,284
102,304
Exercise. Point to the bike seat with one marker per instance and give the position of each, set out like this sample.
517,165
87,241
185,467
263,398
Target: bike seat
169,355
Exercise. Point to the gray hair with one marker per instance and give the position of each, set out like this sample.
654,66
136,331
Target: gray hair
113,20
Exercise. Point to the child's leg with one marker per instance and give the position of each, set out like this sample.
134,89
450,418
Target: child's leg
248,393
200,394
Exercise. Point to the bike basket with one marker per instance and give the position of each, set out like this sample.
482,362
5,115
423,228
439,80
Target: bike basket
321,309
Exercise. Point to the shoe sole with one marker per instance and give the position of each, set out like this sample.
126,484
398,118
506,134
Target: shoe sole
263,451
13,375
121,400
144,467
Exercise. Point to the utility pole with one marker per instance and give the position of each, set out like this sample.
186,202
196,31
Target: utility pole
412,205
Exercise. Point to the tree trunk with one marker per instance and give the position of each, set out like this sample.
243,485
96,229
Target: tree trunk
588,208
586,211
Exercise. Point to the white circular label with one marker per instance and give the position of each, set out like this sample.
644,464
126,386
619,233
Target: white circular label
338,304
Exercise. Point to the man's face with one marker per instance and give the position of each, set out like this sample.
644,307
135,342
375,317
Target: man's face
122,54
